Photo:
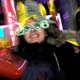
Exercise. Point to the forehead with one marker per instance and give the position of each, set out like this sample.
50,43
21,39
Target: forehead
31,21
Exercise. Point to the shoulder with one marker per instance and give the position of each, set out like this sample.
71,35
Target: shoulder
51,46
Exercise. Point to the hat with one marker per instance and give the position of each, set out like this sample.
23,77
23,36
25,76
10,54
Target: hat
71,37
42,10
22,14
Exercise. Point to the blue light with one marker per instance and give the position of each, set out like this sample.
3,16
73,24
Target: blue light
1,33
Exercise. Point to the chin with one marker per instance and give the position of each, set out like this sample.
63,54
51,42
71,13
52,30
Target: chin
31,42
35,41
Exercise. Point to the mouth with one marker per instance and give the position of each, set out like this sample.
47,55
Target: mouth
34,35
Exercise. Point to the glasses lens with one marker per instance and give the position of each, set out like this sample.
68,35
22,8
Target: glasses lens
37,26
44,24
27,29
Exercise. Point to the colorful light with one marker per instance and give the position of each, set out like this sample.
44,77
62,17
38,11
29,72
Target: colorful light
1,33
59,22
10,18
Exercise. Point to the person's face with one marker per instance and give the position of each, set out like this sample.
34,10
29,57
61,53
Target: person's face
34,35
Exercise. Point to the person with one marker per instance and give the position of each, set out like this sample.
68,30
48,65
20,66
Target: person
70,56
33,47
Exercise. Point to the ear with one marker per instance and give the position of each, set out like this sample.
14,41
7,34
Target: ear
22,13
42,10
51,6
21,10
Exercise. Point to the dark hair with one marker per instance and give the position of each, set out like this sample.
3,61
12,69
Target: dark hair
55,36
53,30
22,41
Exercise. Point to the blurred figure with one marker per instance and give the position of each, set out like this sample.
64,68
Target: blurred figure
34,47
69,57
40,54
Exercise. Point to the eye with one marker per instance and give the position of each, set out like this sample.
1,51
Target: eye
37,26
44,24
27,29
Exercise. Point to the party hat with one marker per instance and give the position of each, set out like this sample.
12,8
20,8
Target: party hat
22,14
42,10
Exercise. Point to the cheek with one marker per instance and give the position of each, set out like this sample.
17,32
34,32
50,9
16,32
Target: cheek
26,37
42,34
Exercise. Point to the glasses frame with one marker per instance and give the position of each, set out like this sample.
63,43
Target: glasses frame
42,25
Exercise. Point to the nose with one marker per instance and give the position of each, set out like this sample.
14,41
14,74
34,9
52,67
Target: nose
33,30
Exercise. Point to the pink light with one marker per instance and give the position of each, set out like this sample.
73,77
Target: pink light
12,34
58,19
10,18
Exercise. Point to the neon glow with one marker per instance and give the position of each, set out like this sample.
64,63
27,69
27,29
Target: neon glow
10,18
2,33
59,22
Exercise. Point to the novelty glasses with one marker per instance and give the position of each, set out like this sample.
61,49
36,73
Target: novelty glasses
37,26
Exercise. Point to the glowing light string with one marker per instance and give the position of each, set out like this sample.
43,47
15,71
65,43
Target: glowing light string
10,18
